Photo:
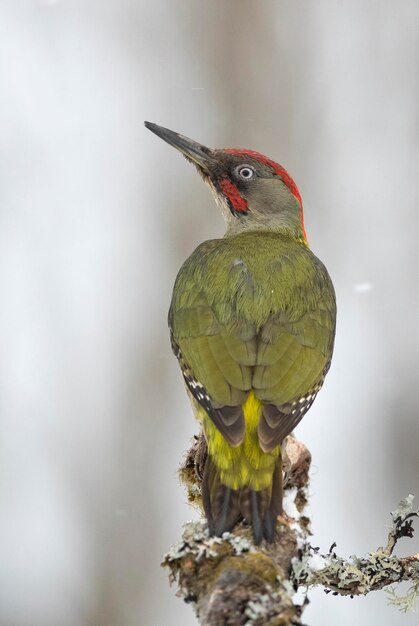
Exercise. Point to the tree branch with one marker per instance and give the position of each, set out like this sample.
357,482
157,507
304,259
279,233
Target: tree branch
359,576
232,582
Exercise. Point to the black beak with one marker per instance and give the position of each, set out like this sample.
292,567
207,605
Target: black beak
197,153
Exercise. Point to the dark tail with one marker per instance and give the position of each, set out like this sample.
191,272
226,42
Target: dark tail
225,507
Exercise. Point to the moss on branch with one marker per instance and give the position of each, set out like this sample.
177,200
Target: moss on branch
232,582
229,580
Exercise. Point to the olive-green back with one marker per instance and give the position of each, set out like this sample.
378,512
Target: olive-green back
254,311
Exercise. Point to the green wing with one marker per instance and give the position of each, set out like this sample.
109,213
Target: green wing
292,362
232,336
216,362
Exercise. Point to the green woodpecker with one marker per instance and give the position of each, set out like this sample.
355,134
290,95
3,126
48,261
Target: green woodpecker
252,323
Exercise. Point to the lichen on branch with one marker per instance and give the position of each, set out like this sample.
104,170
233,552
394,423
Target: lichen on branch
232,582
229,580
361,575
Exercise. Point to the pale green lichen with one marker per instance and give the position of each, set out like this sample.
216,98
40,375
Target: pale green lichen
404,509
359,576
257,609
196,541
301,570
287,585
352,576
195,490
239,544
405,603
264,608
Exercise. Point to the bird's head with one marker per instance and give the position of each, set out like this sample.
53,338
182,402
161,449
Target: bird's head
253,192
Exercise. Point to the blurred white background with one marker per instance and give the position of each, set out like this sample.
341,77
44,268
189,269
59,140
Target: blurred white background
96,217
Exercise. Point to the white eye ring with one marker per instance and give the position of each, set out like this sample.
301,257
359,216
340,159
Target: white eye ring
246,172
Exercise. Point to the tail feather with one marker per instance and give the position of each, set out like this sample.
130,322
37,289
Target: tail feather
255,502
228,513
221,503
225,507
275,505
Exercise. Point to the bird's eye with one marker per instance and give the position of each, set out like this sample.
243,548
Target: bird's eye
246,172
